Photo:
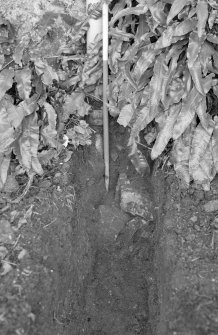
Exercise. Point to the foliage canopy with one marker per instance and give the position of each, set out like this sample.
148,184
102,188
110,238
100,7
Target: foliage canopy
163,60
164,64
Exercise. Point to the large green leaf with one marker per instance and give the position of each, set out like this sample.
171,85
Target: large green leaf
49,133
141,117
4,166
187,112
146,59
174,33
29,106
6,81
75,104
143,28
200,141
212,18
205,118
23,79
92,69
166,37
129,53
194,48
80,134
181,154
138,160
213,4
15,114
166,132
185,27
129,77
125,115
10,121
28,144
215,144
206,57
46,71
18,53
138,10
196,74
156,85
173,71
157,12
212,38
202,15
207,163
206,171
118,6
176,7
121,34
115,54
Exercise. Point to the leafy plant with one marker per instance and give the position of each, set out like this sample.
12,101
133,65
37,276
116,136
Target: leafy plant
164,71
43,77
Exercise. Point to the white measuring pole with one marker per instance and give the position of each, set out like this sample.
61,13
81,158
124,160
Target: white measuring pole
105,86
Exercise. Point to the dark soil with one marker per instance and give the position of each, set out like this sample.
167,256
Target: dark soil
186,260
80,265
86,270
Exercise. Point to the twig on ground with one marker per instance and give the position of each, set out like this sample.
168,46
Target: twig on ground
8,262
4,209
16,242
26,189
143,145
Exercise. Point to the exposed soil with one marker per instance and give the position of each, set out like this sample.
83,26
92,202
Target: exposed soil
88,265
81,265
186,261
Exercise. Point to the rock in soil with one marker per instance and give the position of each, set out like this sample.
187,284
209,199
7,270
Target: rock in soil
112,220
211,206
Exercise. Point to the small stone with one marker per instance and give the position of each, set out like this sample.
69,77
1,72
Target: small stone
6,267
99,144
169,223
45,183
65,167
190,237
132,199
194,218
57,178
136,203
32,317
211,206
6,232
23,253
196,227
3,252
114,155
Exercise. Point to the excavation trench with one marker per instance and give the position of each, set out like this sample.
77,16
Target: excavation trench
93,261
